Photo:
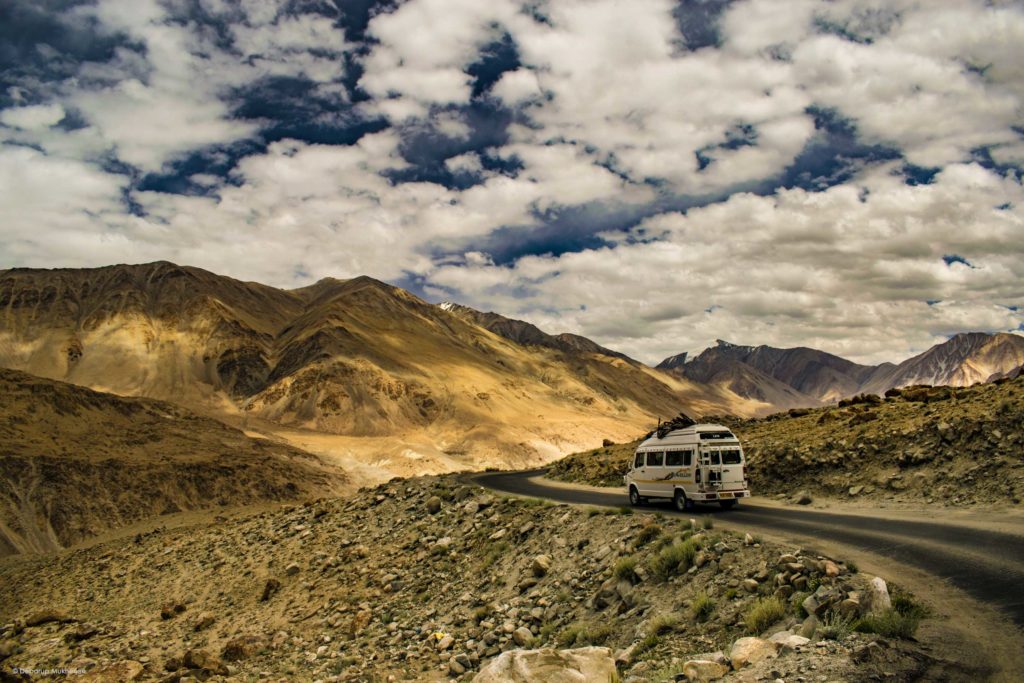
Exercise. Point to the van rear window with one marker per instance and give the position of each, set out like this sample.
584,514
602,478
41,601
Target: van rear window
731,458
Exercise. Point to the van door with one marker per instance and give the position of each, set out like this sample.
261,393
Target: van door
710,469
732,468
637,472
654,472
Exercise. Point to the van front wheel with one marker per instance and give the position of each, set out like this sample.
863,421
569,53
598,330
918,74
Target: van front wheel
634,497
681,502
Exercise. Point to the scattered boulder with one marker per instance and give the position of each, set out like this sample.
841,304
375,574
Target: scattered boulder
878,599
433,505
803,498
581,665
47,616
541,565
204,661
522,636
242,647
751,651
171,610
704,670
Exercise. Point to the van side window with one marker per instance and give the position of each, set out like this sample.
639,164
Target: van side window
674,459
655,459
639,460
687,458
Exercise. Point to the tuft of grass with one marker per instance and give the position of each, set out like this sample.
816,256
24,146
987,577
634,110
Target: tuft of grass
707,523
851,567
764,613
905,604
494,552
663,623
703,607
890,623
647,534
625,568
730,593
649,642
481,613
674,559
835,626
583,633
594,512
624,510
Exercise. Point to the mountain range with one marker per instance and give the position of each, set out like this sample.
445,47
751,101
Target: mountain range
381,383
363,373
804,377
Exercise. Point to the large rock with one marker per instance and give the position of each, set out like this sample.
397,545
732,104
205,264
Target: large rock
878,596
522,636
704,670
751,651
582,665
541,565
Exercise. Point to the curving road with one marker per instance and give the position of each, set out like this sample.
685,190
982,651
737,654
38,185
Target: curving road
988,565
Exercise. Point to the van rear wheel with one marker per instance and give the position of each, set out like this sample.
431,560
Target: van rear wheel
634,497
680,500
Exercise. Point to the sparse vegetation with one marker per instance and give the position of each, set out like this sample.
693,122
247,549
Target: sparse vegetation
625,569
890,623
703,606
674,559
763,614
647,534
583,633
663,623
835,626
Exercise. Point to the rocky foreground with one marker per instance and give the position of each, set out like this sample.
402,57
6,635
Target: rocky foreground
943,445
434,579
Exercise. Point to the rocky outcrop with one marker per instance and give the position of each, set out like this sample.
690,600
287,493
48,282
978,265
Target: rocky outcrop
581,665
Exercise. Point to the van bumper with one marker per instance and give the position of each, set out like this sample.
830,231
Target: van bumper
730,494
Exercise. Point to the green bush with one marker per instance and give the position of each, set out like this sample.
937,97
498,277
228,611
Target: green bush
707,523
625,568
890,623
674,559
835,627
583,633
646,535
763,614
663,623
703,606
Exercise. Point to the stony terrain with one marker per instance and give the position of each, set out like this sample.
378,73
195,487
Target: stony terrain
76,462
432,579
944,445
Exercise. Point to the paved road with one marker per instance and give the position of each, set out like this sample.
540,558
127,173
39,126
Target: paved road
988,565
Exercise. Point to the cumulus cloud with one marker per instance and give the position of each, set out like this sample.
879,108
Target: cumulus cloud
843,174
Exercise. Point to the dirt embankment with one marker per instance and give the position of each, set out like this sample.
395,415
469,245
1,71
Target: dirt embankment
75,463
944,445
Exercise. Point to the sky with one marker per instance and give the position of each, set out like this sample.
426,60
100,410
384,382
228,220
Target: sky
655,175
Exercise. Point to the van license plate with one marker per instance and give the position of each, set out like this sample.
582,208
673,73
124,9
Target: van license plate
725,495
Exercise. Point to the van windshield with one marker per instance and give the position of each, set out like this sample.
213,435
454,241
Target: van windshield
731,458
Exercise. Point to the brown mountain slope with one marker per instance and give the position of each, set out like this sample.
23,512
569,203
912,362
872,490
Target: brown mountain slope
964,360
357,369
803,377
76,462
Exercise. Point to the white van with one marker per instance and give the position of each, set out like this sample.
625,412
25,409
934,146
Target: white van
702,463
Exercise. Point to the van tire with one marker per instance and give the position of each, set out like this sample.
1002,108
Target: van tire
681,502
727,504
634,497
